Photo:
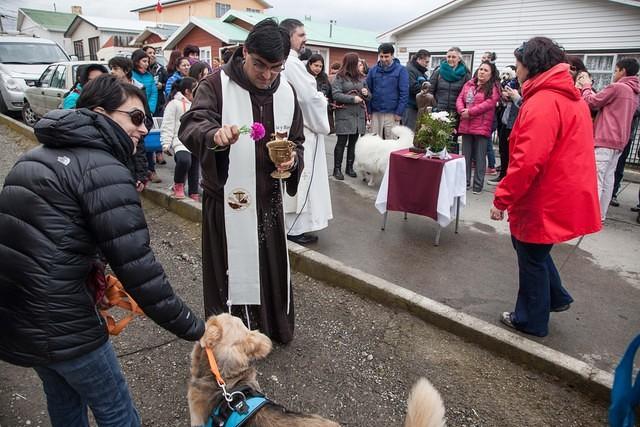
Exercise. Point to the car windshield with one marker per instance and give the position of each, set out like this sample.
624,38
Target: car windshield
31,53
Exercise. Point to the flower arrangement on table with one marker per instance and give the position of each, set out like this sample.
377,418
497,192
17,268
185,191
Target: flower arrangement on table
256,131
433,134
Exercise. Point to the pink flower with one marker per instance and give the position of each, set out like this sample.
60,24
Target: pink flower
256,131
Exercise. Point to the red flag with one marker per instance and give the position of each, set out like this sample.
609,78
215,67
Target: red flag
158,7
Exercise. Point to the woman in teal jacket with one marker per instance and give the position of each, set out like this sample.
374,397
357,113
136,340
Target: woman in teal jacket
84,73
141,74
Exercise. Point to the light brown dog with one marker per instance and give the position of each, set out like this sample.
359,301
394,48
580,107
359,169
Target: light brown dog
234,347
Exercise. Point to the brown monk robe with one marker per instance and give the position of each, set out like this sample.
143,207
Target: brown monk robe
198,126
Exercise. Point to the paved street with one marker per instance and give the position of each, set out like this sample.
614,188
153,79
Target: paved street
352,360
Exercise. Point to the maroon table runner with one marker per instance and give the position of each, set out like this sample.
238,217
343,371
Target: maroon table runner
414,183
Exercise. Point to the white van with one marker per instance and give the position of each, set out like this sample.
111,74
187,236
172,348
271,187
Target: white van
22,61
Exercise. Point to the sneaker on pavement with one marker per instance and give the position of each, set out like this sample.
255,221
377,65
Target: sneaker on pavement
194,197
494,181
635,208
507,319
491,171
614,202
178,191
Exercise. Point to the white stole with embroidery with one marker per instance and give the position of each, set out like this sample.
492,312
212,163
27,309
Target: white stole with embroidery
240,211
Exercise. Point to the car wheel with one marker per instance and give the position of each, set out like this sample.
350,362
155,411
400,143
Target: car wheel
29,117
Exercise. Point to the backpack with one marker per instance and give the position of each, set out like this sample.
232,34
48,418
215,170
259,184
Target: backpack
625,396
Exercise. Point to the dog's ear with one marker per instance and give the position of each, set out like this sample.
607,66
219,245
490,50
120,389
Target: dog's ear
257,345
212,333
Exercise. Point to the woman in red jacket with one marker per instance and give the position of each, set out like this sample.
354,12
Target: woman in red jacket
550,190
476,105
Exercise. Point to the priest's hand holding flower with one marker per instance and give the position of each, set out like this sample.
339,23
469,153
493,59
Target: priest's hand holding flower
226,136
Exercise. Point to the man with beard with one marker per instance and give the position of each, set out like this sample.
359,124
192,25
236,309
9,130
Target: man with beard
244,250
310,210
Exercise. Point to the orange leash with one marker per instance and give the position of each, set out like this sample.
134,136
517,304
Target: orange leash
117,296
214,367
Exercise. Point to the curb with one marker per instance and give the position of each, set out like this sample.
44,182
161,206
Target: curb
588,379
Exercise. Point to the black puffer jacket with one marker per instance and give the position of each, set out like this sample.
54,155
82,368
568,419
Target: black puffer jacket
61,205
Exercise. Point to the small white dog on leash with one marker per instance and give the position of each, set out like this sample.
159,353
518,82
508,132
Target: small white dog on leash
372,153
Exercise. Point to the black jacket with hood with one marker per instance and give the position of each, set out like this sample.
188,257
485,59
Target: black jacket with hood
62,204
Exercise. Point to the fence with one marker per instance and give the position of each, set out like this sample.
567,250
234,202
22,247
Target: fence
634,153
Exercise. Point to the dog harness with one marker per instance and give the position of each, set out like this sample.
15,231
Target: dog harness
244,404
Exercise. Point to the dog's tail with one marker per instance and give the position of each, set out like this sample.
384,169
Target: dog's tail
425,407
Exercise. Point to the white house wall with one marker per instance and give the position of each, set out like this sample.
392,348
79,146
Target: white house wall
84,32
502,25
31,28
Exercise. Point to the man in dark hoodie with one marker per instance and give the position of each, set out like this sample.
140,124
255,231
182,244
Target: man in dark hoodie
388,82
417,69
244,249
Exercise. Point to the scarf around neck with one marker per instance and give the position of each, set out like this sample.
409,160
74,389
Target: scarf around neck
450,74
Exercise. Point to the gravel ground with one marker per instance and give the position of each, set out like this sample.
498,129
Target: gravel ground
351,360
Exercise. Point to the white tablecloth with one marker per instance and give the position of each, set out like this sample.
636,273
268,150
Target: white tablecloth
452,184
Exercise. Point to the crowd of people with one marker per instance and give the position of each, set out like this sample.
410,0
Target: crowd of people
74,198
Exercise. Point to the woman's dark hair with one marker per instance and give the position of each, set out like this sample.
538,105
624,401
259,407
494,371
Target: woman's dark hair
349,68
630,66
196,69
179,61
227,53
322,77
173,61
540,54
576,65
137,56
493,81
123,63
268,40
365,65
492,56
182,85
189,49
82,75
110,93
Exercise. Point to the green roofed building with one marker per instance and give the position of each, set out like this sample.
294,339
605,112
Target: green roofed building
45,24
231,29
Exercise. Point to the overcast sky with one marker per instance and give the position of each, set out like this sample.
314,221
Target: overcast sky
377,16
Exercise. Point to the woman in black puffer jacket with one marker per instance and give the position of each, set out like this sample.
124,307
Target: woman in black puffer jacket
64,205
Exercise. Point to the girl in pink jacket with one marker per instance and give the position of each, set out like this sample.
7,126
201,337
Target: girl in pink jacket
476,105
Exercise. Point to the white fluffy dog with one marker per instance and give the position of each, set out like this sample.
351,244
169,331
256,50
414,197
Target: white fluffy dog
372,153
507,74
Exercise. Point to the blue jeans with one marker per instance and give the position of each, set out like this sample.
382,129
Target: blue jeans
94,380
540,288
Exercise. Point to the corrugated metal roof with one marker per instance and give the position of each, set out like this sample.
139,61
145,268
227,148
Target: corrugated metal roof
54,21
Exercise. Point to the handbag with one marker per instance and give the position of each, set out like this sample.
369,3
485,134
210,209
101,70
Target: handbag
625,396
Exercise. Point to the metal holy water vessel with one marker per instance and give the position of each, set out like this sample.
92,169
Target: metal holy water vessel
280,150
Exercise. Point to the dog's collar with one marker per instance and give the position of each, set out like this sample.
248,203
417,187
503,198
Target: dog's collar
238,412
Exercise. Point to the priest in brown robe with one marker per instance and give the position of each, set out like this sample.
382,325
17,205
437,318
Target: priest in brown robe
211,130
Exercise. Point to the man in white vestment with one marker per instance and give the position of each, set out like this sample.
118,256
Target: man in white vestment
310,209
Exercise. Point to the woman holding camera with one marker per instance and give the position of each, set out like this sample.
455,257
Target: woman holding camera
350,93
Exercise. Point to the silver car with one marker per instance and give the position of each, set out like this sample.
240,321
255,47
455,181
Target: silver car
48,91
22,60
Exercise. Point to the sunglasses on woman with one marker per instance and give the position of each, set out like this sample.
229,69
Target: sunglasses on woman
138,117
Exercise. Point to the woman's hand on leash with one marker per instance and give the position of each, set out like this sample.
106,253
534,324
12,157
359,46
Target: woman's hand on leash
496,214
357,99
226,135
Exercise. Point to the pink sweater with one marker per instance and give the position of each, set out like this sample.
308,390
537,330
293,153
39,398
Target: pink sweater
481,110
616,104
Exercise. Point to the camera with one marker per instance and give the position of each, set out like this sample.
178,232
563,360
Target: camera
512,83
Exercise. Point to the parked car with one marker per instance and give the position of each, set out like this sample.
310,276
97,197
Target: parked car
22,61
48,91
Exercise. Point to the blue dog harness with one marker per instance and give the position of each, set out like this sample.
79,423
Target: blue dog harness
244,404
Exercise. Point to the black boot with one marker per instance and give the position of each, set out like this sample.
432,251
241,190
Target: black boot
351,157
338,153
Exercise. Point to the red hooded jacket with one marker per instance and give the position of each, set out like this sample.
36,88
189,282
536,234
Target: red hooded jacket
550,190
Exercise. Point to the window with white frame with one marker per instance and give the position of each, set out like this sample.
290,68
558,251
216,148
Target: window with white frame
601,66
205,54
437,58
222,8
